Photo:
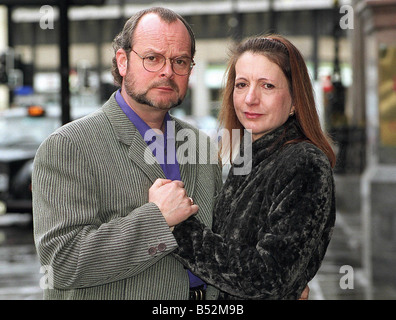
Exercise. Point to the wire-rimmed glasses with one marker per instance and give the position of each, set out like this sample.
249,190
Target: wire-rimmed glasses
154,62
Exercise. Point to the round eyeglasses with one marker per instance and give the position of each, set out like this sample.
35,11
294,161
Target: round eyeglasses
154,62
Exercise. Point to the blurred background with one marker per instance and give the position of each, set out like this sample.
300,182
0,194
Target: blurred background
55,60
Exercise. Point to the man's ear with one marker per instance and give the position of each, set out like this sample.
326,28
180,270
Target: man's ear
122,61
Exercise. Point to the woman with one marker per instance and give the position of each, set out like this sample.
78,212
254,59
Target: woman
272,226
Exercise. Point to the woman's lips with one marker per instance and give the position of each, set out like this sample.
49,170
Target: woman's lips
250,115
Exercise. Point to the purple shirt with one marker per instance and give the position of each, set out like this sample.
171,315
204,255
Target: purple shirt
159,144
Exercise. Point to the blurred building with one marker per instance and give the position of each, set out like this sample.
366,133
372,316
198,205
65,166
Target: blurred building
375,77
309,24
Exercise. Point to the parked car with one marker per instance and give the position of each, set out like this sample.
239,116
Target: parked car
22,130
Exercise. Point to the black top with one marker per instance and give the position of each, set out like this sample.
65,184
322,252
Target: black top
271,227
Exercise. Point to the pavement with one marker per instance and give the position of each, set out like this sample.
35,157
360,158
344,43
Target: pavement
343,275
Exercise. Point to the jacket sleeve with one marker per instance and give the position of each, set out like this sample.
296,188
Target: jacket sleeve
297,227
80,248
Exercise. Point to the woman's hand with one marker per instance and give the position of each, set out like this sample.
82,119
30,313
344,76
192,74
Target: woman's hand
304,294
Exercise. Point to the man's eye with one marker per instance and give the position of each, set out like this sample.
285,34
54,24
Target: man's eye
181,62
152,58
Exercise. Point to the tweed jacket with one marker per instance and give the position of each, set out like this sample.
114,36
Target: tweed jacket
94,229
271,227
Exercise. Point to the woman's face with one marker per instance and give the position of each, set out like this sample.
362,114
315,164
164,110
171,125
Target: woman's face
262,100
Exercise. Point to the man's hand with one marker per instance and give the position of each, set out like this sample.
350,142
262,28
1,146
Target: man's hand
305,294
173,201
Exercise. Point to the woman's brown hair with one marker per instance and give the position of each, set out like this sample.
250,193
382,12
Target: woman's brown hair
282,52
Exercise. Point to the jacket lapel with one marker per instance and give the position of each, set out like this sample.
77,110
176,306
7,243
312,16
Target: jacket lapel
188,169
127,133
142,156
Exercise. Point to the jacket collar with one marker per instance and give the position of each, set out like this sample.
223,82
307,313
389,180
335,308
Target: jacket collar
127,133
274,140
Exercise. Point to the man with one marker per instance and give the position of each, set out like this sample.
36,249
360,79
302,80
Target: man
102,220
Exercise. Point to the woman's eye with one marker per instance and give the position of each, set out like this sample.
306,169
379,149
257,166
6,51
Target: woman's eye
240,85
268,86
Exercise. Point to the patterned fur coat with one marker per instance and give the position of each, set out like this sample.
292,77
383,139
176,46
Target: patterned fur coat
271,227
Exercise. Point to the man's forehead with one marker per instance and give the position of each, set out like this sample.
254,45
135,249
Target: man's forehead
151,22
153,31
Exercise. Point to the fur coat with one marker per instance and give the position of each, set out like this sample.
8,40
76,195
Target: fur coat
271,227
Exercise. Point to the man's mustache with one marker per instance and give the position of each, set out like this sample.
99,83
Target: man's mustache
165,83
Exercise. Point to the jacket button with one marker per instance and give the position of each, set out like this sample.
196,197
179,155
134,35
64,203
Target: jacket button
152,251
162,247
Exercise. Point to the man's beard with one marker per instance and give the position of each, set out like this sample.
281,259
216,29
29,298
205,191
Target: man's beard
143,99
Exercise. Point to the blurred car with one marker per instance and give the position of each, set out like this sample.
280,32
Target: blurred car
22,130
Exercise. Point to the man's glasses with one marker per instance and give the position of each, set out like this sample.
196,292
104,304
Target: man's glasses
154,62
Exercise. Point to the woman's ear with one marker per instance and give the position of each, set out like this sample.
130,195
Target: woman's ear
292,111
122,62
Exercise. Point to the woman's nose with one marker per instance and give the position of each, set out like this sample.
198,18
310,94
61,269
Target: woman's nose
252,96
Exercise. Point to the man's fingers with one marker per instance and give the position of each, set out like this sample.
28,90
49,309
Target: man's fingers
178,183
194,208
172,200
160,182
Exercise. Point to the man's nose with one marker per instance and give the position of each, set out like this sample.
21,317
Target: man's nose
167,70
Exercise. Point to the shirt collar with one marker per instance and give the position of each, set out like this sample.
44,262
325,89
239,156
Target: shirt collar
139,123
